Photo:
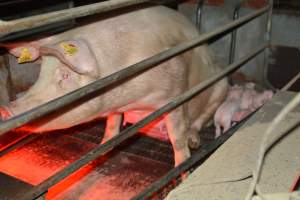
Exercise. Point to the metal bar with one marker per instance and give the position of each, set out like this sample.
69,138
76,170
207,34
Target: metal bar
268,37
67,14
199,14
18,143
291,82
236,15
199,155
129,132
120,75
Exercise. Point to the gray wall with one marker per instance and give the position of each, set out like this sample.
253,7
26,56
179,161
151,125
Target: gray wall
285,31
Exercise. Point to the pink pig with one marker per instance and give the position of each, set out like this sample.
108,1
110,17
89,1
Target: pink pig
240,102
95,50
225,113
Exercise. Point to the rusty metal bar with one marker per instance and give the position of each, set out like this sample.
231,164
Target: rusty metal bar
121,75
199,14
129,132
7,27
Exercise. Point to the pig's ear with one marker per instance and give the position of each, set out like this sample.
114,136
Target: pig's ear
25,52
76,54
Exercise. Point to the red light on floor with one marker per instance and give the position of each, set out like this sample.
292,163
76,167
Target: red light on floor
73,179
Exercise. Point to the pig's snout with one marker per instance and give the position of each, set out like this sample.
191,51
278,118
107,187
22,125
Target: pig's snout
5,113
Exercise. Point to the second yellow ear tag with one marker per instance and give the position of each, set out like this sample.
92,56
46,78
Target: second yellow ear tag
69,49
25,56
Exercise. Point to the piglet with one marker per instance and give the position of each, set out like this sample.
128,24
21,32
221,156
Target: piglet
241,101
225,113
251,101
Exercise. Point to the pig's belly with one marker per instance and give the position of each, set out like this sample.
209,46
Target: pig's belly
156,129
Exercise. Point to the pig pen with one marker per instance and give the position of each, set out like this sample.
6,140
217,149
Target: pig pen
29,163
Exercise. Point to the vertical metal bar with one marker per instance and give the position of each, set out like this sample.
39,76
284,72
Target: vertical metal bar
269,22
236,15
199,14
268,41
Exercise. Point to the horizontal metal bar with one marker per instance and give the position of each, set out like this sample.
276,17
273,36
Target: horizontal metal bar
18,143
129,132
67,14
120,75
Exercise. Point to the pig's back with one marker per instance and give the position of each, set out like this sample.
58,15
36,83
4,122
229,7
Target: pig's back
133,36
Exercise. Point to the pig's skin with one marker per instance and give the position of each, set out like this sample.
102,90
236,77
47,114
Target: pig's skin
117,42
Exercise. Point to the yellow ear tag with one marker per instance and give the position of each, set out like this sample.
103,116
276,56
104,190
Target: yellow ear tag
25,56
69,49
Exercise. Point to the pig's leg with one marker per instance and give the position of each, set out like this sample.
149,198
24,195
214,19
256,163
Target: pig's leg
177,126
113,125
227,126
218,95
194,138
218,130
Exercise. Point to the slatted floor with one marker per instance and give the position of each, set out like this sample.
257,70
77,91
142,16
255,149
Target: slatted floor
121,174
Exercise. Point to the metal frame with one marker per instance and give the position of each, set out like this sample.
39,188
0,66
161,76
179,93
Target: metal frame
199,14
236,15
117,77
7,27
121,75
268,40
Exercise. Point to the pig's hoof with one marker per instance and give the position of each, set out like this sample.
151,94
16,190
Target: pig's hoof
194,144
194,140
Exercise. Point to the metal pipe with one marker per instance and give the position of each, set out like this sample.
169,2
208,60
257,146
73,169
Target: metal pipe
19,143
129,132
268,40
291,82
7,27
120,75
199,14
236,15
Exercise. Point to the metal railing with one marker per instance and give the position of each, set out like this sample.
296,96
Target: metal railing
121,75
236,15
137,68
199,14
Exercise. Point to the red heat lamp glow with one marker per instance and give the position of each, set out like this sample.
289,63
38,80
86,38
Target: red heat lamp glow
38,160
62,186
